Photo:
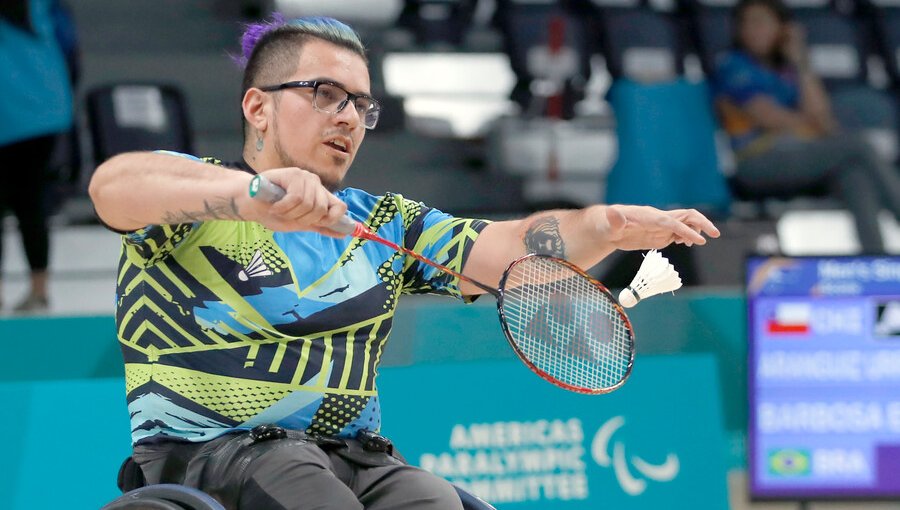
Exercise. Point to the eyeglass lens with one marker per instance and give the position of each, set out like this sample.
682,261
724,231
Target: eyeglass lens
328,98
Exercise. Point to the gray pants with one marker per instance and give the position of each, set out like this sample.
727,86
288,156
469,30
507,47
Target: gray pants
287,474
844,166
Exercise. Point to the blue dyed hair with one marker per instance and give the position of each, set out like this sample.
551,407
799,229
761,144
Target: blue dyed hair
270,49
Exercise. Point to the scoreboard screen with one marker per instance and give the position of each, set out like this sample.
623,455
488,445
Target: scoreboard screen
824,369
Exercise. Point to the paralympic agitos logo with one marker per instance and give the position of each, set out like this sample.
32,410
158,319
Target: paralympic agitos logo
620,461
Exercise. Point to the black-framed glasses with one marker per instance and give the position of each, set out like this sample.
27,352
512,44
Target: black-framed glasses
331,98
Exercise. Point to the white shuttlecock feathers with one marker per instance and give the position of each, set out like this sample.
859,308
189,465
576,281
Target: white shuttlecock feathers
655,276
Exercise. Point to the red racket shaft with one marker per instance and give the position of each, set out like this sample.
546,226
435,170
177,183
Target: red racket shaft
262,188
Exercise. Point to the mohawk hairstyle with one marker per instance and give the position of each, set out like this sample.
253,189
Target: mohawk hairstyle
270,49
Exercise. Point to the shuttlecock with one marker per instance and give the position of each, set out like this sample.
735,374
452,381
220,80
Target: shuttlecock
655,276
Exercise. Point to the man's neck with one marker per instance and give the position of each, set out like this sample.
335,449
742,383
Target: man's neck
256,160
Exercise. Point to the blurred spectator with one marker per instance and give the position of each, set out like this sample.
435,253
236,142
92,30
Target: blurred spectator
35,107
781,125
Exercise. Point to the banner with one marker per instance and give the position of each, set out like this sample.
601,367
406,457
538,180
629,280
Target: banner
520,443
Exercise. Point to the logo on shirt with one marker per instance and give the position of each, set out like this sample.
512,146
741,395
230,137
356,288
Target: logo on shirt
256,268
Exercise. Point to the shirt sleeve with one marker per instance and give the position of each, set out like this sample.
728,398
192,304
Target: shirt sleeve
148,245
440,237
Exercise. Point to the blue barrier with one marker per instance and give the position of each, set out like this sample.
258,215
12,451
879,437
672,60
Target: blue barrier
68,438
37,349
464,421
71,368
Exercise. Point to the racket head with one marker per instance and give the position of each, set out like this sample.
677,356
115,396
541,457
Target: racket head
565,326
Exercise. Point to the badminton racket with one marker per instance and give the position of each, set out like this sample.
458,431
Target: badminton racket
564,325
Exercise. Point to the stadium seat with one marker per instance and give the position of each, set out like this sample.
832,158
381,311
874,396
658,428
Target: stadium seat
549,53
837,48
361,14
709,29
638,42
438,22
449,94
137,116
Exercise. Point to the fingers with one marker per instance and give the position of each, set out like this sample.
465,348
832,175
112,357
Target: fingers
300,199
698,222
632,227
336,210
682,232
306,205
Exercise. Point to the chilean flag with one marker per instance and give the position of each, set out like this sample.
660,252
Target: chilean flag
790,319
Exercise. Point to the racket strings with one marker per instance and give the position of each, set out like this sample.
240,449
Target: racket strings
565,325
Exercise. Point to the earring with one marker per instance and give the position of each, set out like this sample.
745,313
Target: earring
259,144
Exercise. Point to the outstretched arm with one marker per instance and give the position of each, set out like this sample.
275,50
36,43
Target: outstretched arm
137,189
583,236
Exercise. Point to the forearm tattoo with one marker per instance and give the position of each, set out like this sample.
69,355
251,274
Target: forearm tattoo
542,237
220,208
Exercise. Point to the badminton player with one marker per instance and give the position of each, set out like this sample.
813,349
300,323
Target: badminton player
251,334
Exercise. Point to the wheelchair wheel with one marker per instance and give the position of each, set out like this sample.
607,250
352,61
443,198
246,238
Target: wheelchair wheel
164,497
144,504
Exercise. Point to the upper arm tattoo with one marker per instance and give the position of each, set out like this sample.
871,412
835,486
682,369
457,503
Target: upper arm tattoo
542,237
220,208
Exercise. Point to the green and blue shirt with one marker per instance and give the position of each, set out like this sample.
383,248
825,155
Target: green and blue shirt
225,325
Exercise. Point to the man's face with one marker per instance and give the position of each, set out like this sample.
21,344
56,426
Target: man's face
304,137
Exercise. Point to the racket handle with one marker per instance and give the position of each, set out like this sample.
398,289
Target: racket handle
263,189
347,226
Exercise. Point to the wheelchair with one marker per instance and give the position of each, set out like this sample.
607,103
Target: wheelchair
179,497
168,496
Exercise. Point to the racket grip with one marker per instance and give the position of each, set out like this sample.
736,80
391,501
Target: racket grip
347,226
263,189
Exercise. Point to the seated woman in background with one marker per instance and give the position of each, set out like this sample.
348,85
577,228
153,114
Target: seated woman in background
779,118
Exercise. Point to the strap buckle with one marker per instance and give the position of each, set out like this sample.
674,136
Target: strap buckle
374,442
267,432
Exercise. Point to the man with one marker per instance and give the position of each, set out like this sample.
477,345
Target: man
234,313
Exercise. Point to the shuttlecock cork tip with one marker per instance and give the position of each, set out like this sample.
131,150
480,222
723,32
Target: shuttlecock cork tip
628,297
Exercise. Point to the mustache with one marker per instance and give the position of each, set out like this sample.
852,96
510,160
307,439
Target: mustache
339,131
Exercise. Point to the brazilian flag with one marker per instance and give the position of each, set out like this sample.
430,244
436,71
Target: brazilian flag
789,462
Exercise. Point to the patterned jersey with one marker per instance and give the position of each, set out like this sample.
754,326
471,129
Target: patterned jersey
225,325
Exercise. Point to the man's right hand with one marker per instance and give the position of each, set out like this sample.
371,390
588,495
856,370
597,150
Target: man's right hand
306,205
